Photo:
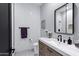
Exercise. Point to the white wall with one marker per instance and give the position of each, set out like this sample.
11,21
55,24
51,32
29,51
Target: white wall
47,13
26,15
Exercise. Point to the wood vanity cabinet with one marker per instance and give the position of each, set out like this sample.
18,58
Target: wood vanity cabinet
44,50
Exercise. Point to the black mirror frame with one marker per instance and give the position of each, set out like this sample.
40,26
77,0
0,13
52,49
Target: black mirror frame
72,20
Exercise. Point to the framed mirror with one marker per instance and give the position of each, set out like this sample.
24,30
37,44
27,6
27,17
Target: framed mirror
64,19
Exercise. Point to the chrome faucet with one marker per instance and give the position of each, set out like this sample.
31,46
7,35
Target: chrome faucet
59,38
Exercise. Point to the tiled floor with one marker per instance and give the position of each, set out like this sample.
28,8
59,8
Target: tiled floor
25,53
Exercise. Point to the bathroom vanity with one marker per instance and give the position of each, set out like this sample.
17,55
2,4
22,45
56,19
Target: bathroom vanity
51,47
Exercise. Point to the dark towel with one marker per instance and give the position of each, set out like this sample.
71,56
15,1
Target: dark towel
23,32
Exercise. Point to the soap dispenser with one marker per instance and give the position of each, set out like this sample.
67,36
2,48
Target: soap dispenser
69,41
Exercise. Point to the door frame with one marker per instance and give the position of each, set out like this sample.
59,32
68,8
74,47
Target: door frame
10,28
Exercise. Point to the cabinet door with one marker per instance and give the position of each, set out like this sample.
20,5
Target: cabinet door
44,50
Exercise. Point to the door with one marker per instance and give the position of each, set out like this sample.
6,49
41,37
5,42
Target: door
5,29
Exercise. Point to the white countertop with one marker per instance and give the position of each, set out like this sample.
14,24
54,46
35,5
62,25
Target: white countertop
62,48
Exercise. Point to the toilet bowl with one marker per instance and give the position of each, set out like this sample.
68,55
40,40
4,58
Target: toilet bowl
36,48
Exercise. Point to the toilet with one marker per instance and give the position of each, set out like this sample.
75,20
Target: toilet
36,48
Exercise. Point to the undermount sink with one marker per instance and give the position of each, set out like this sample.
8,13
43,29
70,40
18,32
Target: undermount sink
51,41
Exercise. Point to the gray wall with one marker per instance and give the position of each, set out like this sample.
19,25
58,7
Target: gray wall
26,15
47,13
